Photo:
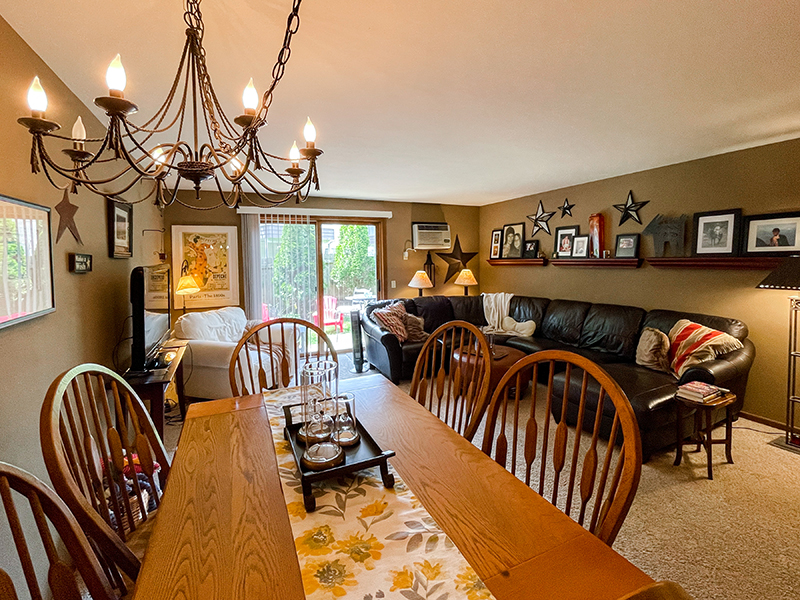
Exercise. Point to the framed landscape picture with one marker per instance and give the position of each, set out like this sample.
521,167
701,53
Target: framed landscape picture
531,249
580,246
512,240
563,243
627,246
120,228
717,233
497,243
774,234
26,263
212,256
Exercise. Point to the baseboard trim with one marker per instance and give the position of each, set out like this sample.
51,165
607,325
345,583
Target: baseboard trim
776,424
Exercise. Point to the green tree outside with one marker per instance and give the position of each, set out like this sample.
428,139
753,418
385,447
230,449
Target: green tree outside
294,275
353,267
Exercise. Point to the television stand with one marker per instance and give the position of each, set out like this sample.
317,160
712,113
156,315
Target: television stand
151,385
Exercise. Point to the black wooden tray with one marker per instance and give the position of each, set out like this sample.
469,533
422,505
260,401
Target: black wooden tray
363,455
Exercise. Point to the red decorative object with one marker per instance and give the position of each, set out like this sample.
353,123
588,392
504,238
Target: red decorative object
597,241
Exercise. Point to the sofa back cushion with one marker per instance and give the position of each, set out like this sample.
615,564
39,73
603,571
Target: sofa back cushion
612,328
221,325
666,319
528,308
436,310
563,321
469,309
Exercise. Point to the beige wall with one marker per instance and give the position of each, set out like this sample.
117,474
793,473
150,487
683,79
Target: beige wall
759,180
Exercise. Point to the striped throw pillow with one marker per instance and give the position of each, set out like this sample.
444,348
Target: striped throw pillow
692,343
392,318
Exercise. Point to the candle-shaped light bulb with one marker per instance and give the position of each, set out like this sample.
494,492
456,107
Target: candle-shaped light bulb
310,133
294,156
115,77
236,166
37,99
158,156
78,134
250,98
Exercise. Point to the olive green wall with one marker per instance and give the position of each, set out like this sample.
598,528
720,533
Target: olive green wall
759,180
90,308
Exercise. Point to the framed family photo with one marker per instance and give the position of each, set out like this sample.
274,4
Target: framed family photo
531,249
717,233
497,243
627,246
513,236
580,246
212,256
120,228
563,243
774,234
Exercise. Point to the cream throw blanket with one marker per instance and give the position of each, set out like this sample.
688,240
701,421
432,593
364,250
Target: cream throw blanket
495,309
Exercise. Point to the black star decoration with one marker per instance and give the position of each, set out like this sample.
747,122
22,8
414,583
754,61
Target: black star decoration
540,220
456,260
66,213
566,209
630,210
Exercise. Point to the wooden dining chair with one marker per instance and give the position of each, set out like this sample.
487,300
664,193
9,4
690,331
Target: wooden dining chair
660,590
66,580
594,482
451,377
105,460
271,355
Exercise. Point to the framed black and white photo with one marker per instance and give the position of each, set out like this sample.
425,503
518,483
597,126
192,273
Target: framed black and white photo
717,233
563,244
774,234
531,249
580,246
120,229
627,246
497,243
513,235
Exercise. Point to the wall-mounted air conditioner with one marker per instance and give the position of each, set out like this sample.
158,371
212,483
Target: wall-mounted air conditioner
430,236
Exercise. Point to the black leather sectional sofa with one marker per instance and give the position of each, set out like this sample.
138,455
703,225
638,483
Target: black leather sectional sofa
607,334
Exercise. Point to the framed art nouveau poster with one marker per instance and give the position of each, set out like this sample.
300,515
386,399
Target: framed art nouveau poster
211,255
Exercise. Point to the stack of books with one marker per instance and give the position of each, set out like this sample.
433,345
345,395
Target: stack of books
697,391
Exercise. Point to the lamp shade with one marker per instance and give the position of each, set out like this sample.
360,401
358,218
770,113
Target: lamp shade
187,284
785,277
466,278
420,280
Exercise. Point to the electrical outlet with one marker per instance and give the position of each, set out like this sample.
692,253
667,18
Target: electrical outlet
394,284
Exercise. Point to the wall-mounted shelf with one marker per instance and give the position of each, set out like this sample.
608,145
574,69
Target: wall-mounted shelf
530,262
763,263
609,263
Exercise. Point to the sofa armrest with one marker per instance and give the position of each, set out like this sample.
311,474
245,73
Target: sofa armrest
383,349
205,353
724,368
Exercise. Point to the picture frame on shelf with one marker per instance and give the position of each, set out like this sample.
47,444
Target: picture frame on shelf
580,246
120,228
597,243
212,255
627,245
531,249
563,240
772,234
717,233
497,243
27,263
513,236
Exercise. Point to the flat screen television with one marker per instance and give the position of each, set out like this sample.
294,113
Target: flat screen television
150,317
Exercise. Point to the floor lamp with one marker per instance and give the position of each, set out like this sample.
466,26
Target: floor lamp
787,277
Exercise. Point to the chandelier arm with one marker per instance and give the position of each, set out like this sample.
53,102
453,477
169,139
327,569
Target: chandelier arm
170,95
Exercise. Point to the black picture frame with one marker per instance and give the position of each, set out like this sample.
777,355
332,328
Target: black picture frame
717,233
531,249
759,230
120,228
512,248
580,246
562,247
496,244
627,245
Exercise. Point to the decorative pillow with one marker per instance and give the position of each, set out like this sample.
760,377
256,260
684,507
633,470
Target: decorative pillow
415,329
392,317
653,350
525,328
692,343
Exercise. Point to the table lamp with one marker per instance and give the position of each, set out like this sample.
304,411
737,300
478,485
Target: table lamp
787,277
466,278
420,281
187,284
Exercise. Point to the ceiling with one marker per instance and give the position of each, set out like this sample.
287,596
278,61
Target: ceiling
461,101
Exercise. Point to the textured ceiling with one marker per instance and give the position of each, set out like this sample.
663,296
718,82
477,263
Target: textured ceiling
466,102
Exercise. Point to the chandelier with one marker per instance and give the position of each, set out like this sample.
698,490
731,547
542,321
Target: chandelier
218,149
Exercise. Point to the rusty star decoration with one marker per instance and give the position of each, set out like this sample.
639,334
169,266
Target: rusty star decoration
630,210
66,213
456,260
566,208
540,220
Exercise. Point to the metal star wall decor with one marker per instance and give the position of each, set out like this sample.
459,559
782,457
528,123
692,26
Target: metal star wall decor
456,260
566,208
630,210
66,213
540,220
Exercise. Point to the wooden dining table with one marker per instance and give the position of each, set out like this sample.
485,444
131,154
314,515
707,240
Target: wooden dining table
223,530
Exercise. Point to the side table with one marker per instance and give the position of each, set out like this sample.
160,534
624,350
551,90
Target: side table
702,435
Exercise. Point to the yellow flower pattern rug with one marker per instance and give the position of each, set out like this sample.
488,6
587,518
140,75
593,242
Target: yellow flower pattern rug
365,541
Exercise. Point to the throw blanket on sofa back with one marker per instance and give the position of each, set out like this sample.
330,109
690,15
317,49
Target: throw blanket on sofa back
495,309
